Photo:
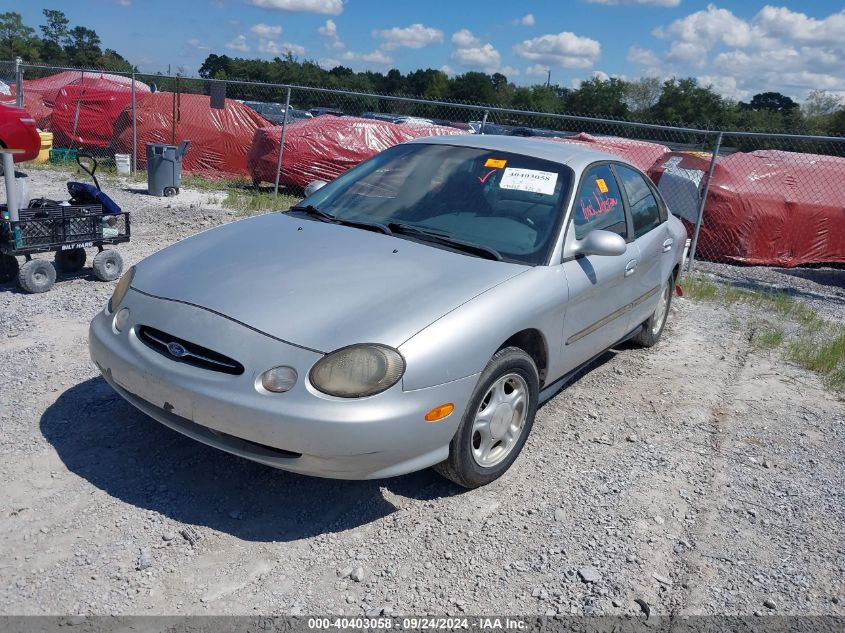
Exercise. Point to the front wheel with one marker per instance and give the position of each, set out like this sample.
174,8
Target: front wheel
497,420
653,327
37,275
107,265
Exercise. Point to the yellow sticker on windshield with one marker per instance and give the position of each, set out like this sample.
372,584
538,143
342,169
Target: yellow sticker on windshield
601,184
495,163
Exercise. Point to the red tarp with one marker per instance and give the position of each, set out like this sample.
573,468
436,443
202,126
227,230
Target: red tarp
220,139
41,94
641,153
83,117
324,147
770,207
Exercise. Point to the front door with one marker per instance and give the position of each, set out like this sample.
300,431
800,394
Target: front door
599,285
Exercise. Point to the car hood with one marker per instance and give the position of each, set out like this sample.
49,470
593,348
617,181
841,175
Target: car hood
318,285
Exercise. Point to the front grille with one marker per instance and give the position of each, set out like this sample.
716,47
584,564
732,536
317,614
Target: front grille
189,353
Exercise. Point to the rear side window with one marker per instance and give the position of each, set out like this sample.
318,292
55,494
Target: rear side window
644,208
598,204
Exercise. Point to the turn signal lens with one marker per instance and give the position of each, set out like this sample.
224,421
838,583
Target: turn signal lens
438,413
279,379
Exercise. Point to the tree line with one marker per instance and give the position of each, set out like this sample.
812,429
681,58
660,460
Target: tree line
56,43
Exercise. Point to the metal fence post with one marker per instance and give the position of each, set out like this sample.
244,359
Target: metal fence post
134,130
484,122
282,144
19,82
703,202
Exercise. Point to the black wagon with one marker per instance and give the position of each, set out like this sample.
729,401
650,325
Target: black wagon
68,229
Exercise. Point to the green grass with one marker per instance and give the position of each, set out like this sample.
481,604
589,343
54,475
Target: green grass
769,337
819,344
247,202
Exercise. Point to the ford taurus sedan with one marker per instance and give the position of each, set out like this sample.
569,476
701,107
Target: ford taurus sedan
412,313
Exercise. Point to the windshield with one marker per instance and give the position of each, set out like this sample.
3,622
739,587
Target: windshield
507,203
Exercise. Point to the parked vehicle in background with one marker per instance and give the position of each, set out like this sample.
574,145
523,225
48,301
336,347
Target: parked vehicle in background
18,131
275,112
322,111
414,312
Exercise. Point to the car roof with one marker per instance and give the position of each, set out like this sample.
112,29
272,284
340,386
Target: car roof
574,155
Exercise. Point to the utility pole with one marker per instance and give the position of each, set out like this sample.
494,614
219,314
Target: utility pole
549,77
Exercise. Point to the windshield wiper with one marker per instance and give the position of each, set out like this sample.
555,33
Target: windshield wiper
328,217
442,238
313,211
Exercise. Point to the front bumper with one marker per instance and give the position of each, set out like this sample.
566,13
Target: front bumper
301,430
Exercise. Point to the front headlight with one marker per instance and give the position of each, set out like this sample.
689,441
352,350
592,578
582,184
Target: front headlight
357,371
121,288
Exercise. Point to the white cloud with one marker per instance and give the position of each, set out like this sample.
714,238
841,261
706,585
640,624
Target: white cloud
640,3
238,44
197,45
600,75
266,30
269,47
526,20
447,69
537,70
564,49
777,49
124,3
414,36
329,32
643,56
377,57
329,62
328,7
509,71
485,57
465,39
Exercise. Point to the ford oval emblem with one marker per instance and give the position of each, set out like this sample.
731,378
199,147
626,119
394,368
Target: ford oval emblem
176,350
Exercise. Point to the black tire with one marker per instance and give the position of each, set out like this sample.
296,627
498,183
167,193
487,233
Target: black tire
107,265
8,268
651,330
169,192
37,275
70,261
461,466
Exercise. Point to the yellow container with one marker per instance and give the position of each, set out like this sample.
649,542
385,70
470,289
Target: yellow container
46,146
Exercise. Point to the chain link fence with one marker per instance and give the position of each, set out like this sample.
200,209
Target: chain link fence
746,197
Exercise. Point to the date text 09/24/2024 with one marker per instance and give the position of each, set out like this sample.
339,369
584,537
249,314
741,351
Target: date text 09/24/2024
420,623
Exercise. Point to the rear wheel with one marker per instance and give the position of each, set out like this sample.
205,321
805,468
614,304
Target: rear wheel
107,265
653,327
8,268
70,261
169,192
37,275
497,421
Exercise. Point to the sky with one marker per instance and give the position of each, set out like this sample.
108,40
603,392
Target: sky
740,47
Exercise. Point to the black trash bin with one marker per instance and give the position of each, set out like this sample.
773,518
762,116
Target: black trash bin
164,168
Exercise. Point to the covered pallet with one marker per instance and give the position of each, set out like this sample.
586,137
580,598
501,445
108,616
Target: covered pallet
324,147
220,138
768,207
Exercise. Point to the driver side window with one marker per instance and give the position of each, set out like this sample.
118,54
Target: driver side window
598,204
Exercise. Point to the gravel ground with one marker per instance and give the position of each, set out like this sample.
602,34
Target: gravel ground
698,477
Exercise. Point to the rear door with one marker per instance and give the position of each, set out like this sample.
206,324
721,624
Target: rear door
651,235
599,290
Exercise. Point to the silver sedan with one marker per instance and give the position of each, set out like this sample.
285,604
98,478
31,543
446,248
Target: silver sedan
412,313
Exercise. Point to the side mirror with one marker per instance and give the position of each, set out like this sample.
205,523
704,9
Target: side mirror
600,242
314,186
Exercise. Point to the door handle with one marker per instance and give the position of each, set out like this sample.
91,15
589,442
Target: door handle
667,245
630,267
